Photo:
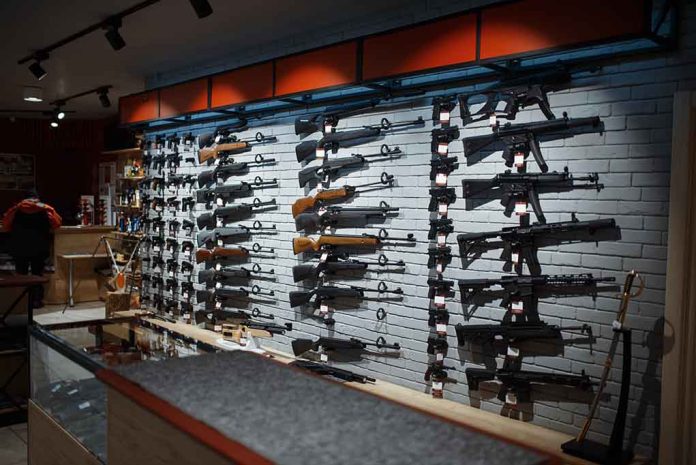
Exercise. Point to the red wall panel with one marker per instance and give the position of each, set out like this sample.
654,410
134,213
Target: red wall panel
242,85
433,45
532,25
327,67
184,98
139,107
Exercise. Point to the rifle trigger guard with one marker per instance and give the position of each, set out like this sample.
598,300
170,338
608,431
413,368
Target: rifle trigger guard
381,314
380,342
257,225
258,159
385,150
259,137
383,234
383,204
382,260
258,180
384,123
382,286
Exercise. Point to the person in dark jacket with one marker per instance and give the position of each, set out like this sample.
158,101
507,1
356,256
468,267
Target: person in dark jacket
30,223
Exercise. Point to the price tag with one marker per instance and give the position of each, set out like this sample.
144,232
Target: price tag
440,267
442,148
156,229
328,128
187,252
444,117
513,352
511,398
439,300
321,211
218,266
218,305
616,325
185,295
73,392
320,153
493,120
219,223
324,309
441,239
439,356
320,187
515,257
437,385
171,273
218,285
155,248
83,405
220,243
519,160
219,202
517,307
217,328
441,179
324,257
56,387
441,328
442,209
324,357
521,208
186,316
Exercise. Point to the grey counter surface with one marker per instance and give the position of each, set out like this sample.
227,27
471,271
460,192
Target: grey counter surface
294,418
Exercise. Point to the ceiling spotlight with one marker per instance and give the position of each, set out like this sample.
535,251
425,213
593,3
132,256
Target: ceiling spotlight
202,8
104,97
112,35
54,123
37,70
33,94
59,114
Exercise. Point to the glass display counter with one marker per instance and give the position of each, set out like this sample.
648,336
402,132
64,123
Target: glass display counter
64,360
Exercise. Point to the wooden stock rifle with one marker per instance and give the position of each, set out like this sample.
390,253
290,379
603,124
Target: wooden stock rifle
306,244
236,253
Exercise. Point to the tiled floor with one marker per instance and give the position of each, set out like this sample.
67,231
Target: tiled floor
13,445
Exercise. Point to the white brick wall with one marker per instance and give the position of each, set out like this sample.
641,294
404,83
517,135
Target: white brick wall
634,99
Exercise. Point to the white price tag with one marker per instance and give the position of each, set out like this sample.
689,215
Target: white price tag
492,120
218,266
73,392
56,387
513,352
439,356
328,128
187,252
219,223
171,274
437,385
517,307
518,160
521,208
155,248
439,300
217,328
440,267
323,309
220,243
218,285
441,328
324,257
442,209
511,398
442,148
320,153
185,295
444,117
218,305
321,211
83,405
515,257
186,316
441,239
324,357
219,202
441,179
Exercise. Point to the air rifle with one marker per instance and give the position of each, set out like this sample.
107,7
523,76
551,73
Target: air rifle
226,293
322,369
232,212
440,226
231,145
219,277
519,382
330,170
517,288
334,344
510,332
441,195
339,193
239,232
526,187
524,138
337,263
334,217
307,150
235,253
328,119
523,241
324,293
225,170
221,194
306,244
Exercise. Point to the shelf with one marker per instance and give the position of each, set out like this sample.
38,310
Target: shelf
125,234
124,152
130,178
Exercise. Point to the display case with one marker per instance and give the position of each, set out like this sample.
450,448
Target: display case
65,358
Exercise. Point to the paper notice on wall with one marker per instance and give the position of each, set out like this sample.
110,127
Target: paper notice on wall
17,172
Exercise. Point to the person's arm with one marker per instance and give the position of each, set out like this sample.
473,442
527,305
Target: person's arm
53,217
8,219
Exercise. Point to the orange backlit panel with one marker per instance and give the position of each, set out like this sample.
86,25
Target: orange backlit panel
434,45
327,67
532,25
242,85
138,107
184,98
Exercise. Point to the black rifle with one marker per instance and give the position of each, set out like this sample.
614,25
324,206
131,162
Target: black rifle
329,170
233,212
526,240
225,293
322,369
188,225
337,263
334,344
442,106
173,203
524,138
223,275
333,217
439,256
225,170
523,187
223,193
328,119
441,138
172,244
437,373
187,203
222,134
520,382
509,332
307,150
440,226
519,288
325,293
442,165
441,195
240,231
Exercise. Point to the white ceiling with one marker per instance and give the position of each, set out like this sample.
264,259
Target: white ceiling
160,39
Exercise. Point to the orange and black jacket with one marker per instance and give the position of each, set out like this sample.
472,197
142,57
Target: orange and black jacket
30,223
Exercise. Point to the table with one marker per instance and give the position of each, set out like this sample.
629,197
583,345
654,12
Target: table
70,259
13,342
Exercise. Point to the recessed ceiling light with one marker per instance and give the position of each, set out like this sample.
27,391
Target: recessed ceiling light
33,94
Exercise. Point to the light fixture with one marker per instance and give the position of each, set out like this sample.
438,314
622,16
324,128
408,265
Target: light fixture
202,8
112,35
33,94
54,123
36,68
104,97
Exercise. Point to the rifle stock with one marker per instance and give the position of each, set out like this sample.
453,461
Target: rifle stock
305,244
298,298
304,151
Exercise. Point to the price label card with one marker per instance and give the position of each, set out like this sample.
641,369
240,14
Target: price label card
56,387
187,252
217,328
218,305
324,357
155,248
83,405
218,285
442,148
171,273
441,239
519,160
437,385
493,120
321,211
513,352
324,309
521,208
441,179
324,257
515,257
511,398
185,295
219,223
439,300
439,356
320,153
517,307
328,128
218,266
441,328
186,316
219,202
440,267
220,243
444,117
442,209
73,392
